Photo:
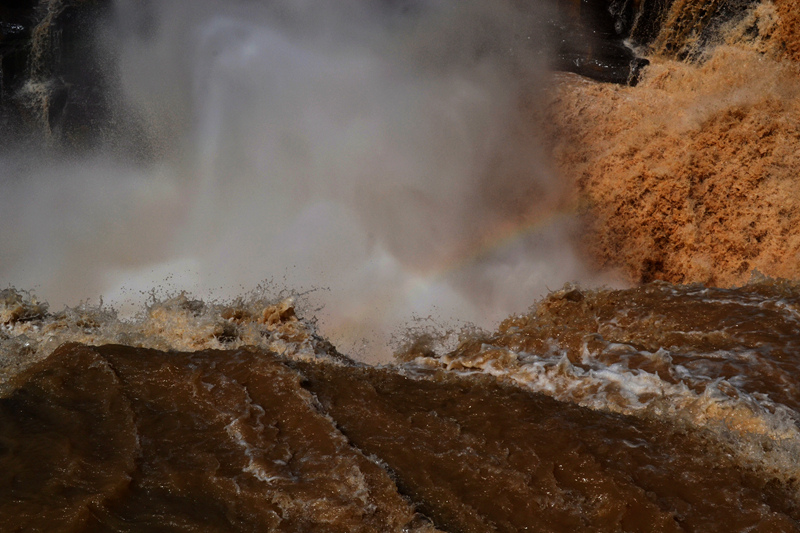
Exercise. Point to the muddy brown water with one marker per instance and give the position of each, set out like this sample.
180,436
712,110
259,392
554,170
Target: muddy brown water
115,438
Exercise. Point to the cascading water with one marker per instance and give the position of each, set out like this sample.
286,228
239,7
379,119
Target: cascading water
400,159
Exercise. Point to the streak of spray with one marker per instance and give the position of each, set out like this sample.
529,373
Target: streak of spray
375,149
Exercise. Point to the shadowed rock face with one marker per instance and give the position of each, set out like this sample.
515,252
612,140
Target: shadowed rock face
54,83
590,39
17,19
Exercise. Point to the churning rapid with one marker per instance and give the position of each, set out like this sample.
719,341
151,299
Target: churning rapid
659,408
376,162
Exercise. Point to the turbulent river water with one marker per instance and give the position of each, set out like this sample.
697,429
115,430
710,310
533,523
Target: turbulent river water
659,408
670,402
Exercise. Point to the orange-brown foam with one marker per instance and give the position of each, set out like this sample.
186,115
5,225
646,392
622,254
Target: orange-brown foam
787,32
689,176
30,333
689,28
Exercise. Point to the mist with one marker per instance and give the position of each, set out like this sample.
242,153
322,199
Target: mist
373,153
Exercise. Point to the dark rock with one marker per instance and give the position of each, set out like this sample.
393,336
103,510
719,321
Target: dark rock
54,83
591,38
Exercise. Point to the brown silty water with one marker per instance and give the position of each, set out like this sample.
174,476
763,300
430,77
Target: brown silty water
118,438
661,408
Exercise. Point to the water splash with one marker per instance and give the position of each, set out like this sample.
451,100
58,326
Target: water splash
376,152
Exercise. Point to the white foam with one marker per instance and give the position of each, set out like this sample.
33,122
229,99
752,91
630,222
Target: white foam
761,432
